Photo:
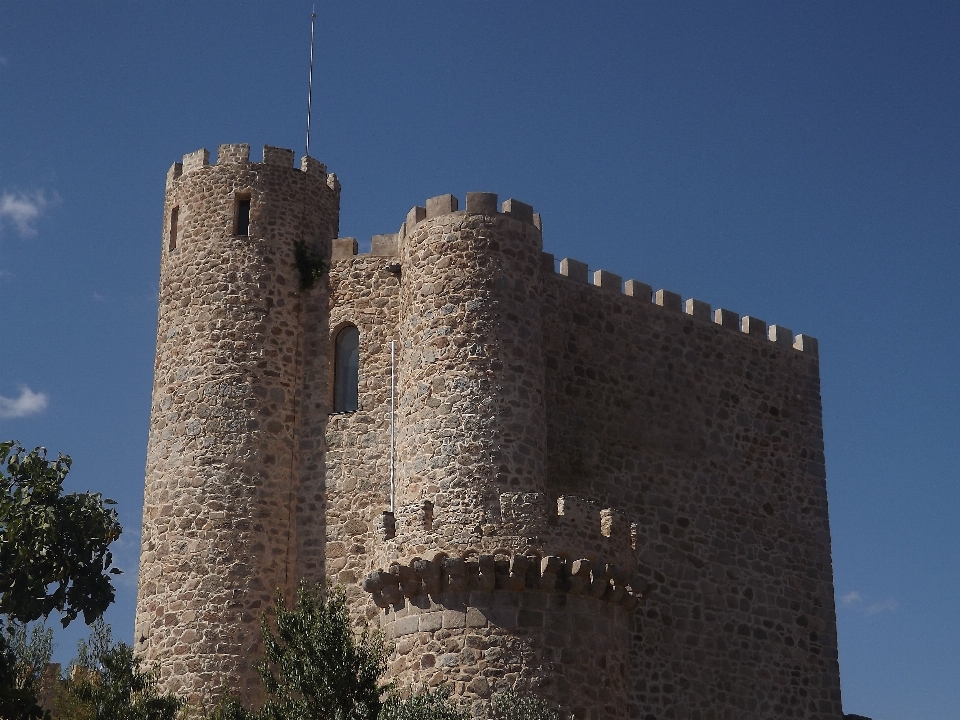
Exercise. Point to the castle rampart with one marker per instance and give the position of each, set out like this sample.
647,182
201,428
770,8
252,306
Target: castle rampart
604,494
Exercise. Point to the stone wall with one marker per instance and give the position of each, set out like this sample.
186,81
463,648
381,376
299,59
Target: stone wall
710,438
364,293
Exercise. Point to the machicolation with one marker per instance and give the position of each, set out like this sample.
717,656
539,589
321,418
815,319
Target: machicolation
525,474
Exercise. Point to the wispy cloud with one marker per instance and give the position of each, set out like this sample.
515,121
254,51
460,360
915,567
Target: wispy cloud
867,606
23,209
29,403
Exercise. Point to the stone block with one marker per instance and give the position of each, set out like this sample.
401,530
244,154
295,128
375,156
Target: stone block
453,619
475,618
637,289
482,203
519,210
753,326
416,215
548,263
430,622
608,281
726,318
175,171
529,618
780,335
312,166
384,245
699,309
669,300
441,205
406,625
196,160
574,269
277,156
235,153
343,249
807,345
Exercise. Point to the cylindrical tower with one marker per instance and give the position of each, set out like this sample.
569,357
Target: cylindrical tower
222,477
470,413
486,581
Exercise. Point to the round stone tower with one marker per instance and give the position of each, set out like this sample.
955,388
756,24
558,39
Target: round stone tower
486,581
222,477
470,420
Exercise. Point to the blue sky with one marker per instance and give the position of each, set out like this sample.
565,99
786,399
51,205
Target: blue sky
796,161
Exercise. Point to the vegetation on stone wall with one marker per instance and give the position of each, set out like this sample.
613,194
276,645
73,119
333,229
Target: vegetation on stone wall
309,263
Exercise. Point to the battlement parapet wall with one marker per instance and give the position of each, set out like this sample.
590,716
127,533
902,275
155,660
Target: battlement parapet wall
572,527
482,203
239,154
606,281
478,203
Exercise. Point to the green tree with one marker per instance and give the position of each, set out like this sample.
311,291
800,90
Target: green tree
22,665
509,705
107,682
316,666
54,555
425,704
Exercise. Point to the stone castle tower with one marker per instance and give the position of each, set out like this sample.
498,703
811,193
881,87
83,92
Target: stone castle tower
562,483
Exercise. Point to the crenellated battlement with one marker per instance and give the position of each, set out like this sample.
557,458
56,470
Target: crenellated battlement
606,281
239,154
482,203
478,203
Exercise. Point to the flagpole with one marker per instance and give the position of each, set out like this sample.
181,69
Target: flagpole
313,17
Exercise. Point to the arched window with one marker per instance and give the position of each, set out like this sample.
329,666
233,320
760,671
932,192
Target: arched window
346,370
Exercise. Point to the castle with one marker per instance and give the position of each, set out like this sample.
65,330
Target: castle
524,475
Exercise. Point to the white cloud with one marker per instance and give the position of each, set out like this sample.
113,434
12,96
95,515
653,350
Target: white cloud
851,598
23,209
855,601
29,403
882,606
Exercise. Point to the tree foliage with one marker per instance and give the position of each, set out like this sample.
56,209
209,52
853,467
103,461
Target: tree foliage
53,556
23,660
108,682
53,546
509,705
315,665
426,704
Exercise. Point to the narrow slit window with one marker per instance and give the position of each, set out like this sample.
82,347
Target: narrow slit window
347,370
243,215
174,221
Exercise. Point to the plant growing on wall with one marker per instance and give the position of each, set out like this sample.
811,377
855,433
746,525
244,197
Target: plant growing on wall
309,263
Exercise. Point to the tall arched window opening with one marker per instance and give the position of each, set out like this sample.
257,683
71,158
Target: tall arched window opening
346,370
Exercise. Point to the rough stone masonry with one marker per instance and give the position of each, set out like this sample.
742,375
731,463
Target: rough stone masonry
582,488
